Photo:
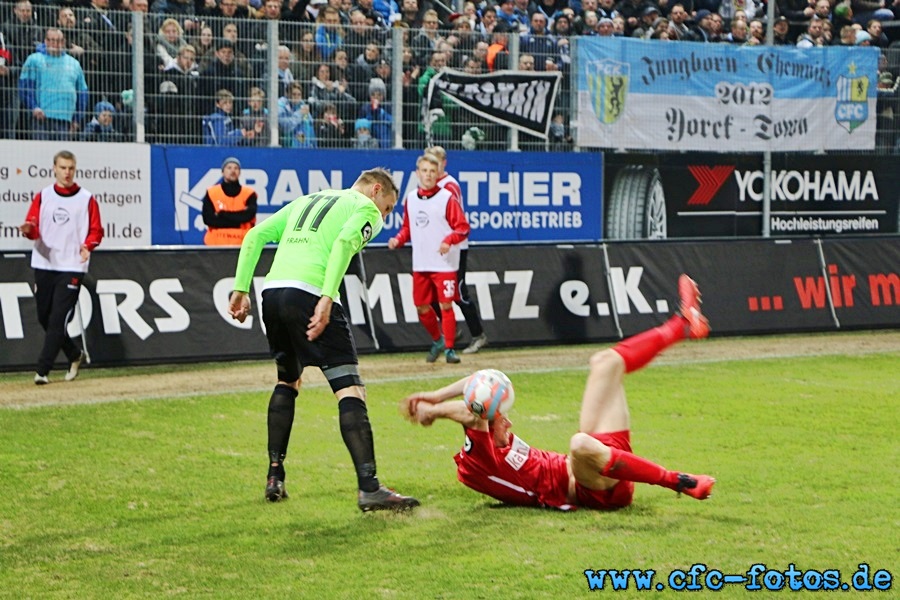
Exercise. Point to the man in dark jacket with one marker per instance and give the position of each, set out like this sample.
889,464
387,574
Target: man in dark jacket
223,74
175,103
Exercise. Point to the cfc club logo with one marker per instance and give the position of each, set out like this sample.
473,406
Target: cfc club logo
61,216
852,108
608,84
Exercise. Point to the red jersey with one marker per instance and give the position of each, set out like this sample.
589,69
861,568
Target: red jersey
448,182
517,474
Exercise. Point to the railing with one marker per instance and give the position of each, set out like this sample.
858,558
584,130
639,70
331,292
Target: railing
292,84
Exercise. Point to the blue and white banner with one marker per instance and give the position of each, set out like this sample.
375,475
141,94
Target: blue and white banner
509,197
641,94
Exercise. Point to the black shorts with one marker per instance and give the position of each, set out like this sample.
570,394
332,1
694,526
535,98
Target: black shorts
286,313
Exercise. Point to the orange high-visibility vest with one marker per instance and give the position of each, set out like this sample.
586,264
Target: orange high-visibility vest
492,52
228,236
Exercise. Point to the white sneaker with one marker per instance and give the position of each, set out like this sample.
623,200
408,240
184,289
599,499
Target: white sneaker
477,344
40,379
72,373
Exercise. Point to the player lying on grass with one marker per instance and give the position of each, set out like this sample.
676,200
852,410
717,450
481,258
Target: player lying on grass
600,470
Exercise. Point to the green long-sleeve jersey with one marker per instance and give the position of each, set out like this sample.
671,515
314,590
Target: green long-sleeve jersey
317,236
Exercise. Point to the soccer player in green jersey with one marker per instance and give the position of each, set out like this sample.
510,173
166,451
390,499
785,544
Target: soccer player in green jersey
317,236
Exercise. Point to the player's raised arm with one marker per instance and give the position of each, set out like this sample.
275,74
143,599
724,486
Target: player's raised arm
425,407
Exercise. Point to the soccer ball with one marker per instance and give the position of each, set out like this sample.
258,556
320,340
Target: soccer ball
489,393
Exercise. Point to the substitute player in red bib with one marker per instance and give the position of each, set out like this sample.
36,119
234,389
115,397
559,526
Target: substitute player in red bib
436,224
600,469
466,303
64,222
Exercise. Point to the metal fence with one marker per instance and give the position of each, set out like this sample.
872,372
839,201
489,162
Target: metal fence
267,82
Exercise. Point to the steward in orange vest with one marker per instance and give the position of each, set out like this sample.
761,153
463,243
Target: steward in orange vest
497,58
229,208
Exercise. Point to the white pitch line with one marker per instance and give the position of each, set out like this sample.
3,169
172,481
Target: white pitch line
660,362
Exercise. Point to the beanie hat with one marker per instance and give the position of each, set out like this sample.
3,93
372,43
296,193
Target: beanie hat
376,84
231,159
363,123
104,106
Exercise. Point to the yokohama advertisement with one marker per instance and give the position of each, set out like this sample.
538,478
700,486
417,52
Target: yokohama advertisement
169,306
676,196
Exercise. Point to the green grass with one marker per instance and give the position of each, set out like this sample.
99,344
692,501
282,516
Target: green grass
164,498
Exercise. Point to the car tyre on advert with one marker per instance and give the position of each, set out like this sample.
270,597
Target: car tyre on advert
636,205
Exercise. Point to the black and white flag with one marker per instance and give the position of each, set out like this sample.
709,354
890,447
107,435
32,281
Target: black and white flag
520,99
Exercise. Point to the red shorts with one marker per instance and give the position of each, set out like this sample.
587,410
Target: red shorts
618,496
431,287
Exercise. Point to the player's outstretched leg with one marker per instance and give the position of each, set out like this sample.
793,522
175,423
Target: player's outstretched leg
640,349
597,465
356,432
695,486
689,295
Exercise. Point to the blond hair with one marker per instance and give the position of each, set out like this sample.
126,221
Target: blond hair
379,175
437,151
428,157
171,21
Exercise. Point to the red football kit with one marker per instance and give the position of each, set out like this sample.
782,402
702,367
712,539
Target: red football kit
524,476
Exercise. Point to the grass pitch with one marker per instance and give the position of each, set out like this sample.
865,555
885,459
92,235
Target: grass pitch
164,498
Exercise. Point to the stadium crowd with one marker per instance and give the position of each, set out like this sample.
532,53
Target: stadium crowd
66,67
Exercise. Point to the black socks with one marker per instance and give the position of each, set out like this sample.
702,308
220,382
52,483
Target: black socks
357,434
280,421
355,431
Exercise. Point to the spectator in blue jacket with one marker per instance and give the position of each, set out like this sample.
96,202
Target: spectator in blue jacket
304,133
329,34
377,113
387,9
53,89
101,128
219,129
363,139
506,13
289,115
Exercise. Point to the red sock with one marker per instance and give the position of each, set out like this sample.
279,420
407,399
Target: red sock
448,324
429,320
631,467
640,349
